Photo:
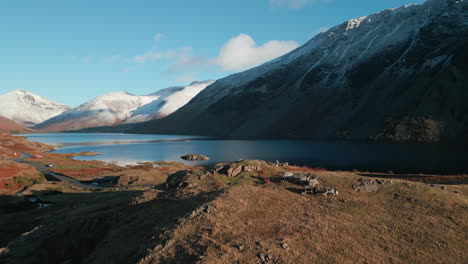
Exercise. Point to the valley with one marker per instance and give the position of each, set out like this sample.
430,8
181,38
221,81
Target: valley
318,144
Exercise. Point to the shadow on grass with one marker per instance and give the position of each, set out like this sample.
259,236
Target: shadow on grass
100,227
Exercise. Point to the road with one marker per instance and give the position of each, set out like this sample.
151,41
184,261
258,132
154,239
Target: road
44,170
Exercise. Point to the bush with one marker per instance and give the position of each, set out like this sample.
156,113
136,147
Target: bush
23,181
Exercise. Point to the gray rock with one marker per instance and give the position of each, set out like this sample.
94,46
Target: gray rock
239,247
328,191
285,246
233,172
193,157
368,186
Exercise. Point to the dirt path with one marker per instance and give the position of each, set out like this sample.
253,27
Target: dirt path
44,170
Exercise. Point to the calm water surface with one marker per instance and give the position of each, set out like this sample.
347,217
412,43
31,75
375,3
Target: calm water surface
130,149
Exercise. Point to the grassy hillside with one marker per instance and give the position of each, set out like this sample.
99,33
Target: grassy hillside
201,215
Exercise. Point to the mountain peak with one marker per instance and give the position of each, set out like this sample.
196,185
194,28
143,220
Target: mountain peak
201,82
20,92
27,108
406,61
116,94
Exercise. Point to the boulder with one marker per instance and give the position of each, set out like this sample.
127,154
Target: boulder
327,191
234,171
236,168
178,179
193,157
250,168
126,180
368,186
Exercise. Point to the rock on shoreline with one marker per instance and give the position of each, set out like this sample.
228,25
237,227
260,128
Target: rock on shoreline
193,157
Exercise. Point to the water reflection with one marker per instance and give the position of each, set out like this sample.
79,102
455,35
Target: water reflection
131,149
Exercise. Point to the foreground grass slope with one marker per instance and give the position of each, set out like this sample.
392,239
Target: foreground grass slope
271,223
201,215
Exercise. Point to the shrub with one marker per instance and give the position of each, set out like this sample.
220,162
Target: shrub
23,181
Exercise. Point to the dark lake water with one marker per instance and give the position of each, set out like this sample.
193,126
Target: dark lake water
130,149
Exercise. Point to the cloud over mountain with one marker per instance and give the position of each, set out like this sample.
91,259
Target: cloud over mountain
241,52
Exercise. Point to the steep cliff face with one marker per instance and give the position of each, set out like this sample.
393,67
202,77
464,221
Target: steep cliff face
407,61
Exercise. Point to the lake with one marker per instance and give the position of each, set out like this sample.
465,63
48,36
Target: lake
125,149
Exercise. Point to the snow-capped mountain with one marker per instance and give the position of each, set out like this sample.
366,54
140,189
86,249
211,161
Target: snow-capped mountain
122,108
105,110
168,101
409,61
27,108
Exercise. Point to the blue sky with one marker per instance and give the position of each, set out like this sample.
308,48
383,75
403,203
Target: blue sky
72,51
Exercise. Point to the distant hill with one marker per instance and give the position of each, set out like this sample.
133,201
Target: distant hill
10,126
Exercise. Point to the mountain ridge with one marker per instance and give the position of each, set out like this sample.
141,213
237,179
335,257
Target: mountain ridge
353,78
116,108
27,108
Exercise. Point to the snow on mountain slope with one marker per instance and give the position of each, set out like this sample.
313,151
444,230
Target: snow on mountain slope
168,101
28,109
123,108
105,110
410,61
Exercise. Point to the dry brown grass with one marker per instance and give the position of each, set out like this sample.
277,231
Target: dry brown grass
418,225
80,169
17,143
16,176
220,219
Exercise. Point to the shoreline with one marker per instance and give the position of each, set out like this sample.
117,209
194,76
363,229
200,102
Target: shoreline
223,211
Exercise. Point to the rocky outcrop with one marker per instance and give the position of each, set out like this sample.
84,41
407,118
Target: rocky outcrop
309,183
368,186
193,157
412,129
236,168
125,180
179,179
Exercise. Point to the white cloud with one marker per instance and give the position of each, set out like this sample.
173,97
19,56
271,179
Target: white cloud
237,54
87,59
295,3
84,60
158,37
148,57
241,52
186,62
112,59
152,56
